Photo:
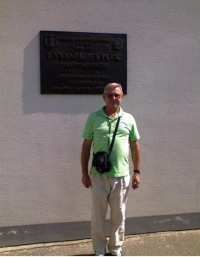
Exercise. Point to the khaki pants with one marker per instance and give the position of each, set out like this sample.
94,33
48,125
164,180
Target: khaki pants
112,191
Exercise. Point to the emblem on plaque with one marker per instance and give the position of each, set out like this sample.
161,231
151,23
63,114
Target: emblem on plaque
118,43
51,40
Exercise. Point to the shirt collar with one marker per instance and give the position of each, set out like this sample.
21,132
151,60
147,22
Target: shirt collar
102,113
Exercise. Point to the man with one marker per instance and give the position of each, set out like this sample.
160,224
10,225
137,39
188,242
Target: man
110,187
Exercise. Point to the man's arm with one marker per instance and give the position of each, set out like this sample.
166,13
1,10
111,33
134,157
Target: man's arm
85,156
136,158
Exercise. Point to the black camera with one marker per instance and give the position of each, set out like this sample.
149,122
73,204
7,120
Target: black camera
101,162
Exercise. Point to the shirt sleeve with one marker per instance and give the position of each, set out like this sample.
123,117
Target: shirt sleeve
88,131
134,134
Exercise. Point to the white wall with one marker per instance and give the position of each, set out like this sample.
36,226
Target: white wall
40,174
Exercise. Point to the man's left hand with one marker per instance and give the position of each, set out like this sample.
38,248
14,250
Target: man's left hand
136,181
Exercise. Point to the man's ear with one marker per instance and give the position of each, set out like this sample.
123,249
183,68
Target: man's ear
104,97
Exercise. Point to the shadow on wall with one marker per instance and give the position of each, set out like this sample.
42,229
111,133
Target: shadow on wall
34,101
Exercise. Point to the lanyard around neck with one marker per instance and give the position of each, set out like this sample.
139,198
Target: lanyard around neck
114,134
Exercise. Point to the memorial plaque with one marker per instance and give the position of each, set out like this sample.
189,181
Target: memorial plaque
80,62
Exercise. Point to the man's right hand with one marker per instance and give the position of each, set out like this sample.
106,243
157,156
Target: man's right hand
86,181
85,155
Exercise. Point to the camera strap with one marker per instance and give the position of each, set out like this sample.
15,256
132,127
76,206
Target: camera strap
114,134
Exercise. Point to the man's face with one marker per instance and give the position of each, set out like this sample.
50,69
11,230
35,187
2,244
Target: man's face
113,97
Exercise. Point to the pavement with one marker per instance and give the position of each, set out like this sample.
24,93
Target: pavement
175,243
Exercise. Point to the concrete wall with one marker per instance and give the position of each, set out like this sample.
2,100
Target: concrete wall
41,195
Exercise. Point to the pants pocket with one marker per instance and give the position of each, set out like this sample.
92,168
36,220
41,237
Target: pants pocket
126,181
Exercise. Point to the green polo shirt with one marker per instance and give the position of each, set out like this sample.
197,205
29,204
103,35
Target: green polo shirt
100,128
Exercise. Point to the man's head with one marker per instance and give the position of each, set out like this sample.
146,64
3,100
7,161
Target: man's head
113,95
112,86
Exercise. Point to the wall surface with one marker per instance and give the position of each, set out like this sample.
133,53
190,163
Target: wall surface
41,195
